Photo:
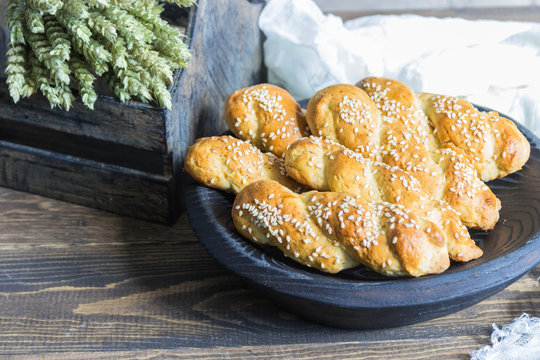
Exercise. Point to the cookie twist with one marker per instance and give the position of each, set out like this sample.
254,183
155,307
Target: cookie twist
228,164
327,166
494,144
267,116
334,231
390,127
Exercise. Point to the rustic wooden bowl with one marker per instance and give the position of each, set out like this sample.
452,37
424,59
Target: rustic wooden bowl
361,299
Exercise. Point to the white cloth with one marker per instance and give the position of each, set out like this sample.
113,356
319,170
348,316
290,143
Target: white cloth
491,63
519,340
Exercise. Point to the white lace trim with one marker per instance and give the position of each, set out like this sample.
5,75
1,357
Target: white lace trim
519,340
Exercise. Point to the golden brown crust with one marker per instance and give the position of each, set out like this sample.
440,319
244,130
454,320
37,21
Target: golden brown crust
494,145
465,192
345,114
412,142
267,116
335,231
327,166
229,164
406,138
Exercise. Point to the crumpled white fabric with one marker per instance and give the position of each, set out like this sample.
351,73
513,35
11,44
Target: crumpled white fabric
491,63
519,340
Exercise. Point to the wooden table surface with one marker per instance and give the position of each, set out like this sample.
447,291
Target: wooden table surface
79,283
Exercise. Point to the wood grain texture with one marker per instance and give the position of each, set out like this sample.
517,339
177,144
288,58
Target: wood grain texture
91,183
517,13
134,125
227,55
79,283
444,349
416,5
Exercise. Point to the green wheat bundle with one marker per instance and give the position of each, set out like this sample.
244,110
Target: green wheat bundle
57,46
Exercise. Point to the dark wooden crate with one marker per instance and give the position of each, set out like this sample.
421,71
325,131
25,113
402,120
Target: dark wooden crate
127,157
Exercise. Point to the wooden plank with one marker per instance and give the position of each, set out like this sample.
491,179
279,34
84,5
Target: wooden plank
525,13
131,124
74,279
226,57
84,147
82,181
414,5
446,348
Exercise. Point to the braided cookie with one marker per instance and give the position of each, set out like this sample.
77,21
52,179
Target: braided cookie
228,164
394,133
334,231
327,166
345,114
267,116
494,144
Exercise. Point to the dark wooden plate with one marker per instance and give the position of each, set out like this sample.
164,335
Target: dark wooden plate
359,298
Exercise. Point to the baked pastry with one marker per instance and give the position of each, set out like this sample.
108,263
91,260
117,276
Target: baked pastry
494,144
334,231
407,140
396,193
327,166
267,116
388,126
229,164
345,114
